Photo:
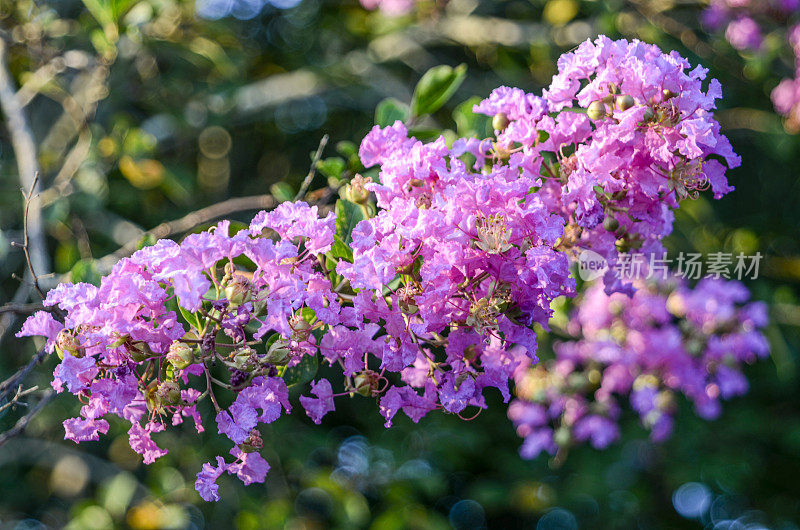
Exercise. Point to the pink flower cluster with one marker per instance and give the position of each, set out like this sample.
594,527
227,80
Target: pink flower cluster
744,22
437,298
666,340
613,173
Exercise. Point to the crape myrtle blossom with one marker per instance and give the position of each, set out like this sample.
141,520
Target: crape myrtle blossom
665,341
623,133
743,24
424,304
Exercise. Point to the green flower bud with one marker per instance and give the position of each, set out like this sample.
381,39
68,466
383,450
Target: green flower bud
366,382
180,355
356,190
562,436
667,94
66,343
245,359
169,393
622,244
500,121
610,223
237,291
279,353
140,351
649,114
624,102
596,110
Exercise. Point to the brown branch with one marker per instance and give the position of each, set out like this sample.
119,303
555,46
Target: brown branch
189,221
24,145
23,309
23,422
22,373
26,244
312,170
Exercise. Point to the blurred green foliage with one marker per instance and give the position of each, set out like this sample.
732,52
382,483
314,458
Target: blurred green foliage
144,111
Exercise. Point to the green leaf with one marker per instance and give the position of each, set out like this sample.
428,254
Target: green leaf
193,319
436,86
467,122
282,191
85,271
303,372
348,215
332,167
340,249
391,110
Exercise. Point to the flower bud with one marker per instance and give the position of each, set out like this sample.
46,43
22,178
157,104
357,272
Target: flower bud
180,355
366,382
253,443
140,351
622,244
596,110
624,102
667,94
279,353
237,291
66,343
562,436
649,114
300,329
500,121
356,191
610,223
169,393
245,359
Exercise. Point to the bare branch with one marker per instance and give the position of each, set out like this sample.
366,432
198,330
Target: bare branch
24,145
23,309
312,170
189,221
23,422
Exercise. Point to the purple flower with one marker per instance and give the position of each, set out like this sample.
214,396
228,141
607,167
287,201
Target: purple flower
141,442
84,430
317,407
206,483
76,373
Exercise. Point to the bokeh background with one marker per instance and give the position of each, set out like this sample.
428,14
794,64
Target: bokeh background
146,110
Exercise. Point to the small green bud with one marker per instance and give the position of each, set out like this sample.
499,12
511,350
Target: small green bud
279,353
365,382
500,121
596,110
66,343
180,355
356,190
610,223
624,102
245,358
649,114
237,291
140,351
562,436
622,244
169,393
667,94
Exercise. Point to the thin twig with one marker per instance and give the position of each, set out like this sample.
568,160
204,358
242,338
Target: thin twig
26,244
189,221
23,422
23,309
313,169
24,145
22,373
